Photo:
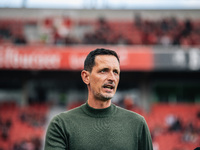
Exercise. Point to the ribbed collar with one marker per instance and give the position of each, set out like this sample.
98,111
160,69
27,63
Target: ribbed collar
99,113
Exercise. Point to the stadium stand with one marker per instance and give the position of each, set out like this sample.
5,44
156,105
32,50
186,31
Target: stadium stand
22,127
166,31
175,126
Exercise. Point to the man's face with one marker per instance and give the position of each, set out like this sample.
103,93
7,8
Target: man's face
104,77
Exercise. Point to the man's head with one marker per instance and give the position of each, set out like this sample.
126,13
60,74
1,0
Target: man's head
101,74
90,59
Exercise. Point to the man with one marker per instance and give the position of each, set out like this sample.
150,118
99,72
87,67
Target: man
98,124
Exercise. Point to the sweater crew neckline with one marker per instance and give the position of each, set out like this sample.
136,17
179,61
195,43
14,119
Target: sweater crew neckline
105,112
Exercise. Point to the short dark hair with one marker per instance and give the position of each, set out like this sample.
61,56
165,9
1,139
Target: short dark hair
90,59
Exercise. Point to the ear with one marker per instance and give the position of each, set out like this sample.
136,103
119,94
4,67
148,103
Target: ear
85,77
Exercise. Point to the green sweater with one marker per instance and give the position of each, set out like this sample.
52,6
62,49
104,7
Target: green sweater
86,128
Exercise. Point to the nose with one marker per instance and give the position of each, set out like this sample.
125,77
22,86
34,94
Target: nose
111,77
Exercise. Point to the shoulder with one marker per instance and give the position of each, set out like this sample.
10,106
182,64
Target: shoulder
130,115
64,116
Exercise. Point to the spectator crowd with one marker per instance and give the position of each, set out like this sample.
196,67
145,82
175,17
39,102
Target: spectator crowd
139,31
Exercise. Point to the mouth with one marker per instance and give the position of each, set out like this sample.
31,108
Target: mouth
109,86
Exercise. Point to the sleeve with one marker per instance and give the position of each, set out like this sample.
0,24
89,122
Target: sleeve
145,141
55,138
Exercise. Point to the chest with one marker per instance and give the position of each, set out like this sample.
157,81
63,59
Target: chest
103,134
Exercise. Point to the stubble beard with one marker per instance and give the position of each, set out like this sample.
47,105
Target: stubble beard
102,97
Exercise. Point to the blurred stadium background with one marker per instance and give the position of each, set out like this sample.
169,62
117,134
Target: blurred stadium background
43,45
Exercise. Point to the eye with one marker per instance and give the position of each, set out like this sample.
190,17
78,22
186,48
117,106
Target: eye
104,70
116,71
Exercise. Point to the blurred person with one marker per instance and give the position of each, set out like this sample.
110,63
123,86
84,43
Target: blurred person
137,20
46,30
198,114
19,40
170,119
190,134
98,123
165,40
173,122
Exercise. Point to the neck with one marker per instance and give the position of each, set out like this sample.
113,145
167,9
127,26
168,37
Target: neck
98,104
